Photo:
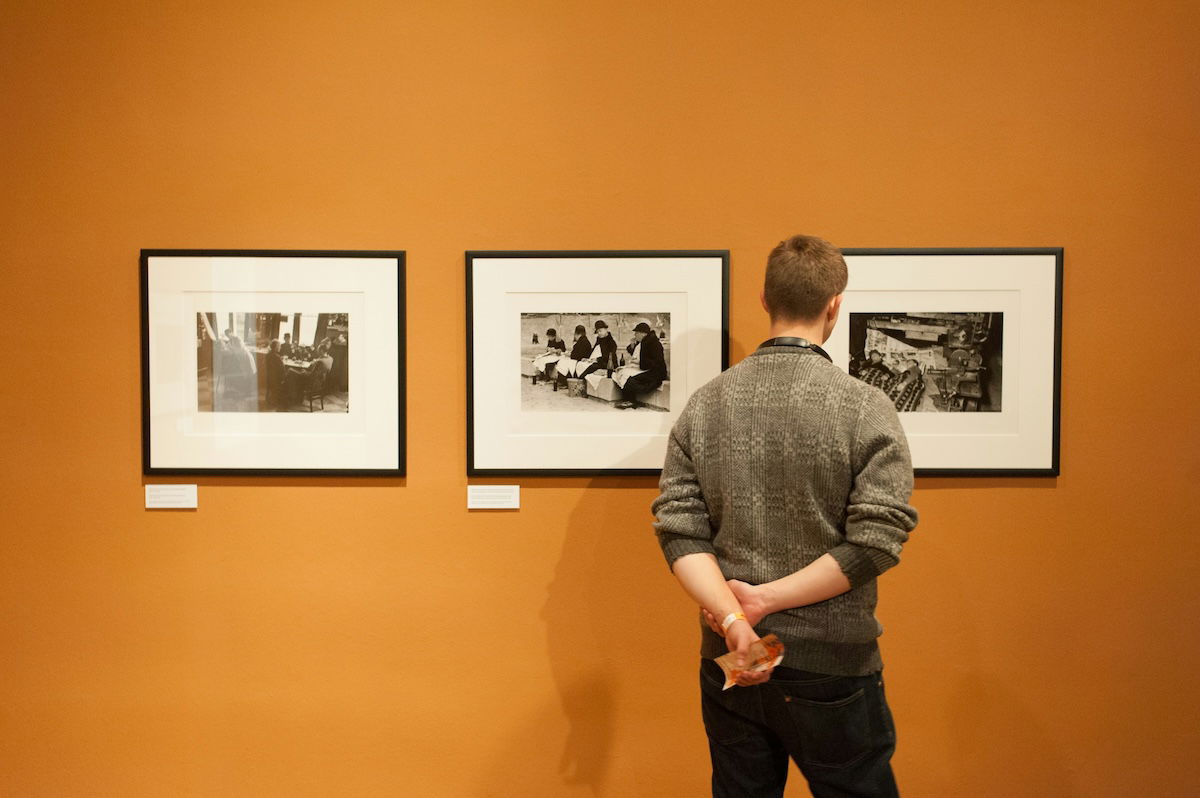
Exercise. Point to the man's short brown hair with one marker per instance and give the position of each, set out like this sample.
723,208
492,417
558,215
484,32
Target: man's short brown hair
803,274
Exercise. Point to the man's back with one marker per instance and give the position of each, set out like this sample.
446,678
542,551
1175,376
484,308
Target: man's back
791,459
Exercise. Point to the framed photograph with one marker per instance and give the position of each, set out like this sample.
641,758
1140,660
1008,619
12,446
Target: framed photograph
967,343
578,363
274,363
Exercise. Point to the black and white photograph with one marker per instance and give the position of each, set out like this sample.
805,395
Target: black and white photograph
966,344
272,362
931,362
596,362
580,361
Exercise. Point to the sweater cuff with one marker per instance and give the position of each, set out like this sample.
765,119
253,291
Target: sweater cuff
675,547
859,563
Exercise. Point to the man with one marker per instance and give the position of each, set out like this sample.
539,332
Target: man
285,349
582,346
300,383
875,372
791,480
603,356
573,364
339,350
647,366
544,363
321,366
275,375
239,369
226,340
909,387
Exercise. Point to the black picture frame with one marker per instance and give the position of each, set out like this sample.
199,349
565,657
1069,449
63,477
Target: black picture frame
194,427
1017,293
507,289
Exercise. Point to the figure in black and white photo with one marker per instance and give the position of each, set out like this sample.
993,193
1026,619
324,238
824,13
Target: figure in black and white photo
587,359
581,347
276,372
547,361
873,371
602,357
645,369
238,368
931,362
623,365
254,366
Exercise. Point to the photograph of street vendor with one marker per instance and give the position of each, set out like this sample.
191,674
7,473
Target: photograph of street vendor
597,372
644,370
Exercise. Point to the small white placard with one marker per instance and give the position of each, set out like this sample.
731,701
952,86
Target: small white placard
170,497
493,497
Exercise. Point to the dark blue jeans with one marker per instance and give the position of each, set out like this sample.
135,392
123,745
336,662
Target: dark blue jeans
838,729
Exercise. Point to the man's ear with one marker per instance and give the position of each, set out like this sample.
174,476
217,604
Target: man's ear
834,307
831,316
762,298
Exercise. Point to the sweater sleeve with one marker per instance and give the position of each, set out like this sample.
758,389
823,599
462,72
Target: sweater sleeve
878,515
683,525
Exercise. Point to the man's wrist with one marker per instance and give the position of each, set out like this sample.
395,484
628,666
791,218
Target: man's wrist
768,597
731,619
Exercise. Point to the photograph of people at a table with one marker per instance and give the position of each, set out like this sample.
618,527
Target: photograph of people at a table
272,362
596,362
931,362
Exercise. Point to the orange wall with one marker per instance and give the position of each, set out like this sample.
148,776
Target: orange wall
294,637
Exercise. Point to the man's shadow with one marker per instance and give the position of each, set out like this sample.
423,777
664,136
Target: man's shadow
599,618
621,644
620,633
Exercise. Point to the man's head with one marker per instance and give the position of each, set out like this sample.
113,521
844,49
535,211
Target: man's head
551,333
805,280
275,346
287,338
600,328
642,330
580,331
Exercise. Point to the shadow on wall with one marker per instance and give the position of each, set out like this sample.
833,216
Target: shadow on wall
594,616
599,615
609,572
590,615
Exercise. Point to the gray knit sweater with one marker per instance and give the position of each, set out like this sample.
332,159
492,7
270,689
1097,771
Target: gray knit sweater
778,460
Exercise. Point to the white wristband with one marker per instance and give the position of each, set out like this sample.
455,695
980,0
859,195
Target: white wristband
730,618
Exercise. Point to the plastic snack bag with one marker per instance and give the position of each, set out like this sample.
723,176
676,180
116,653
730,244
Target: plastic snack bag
764,654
